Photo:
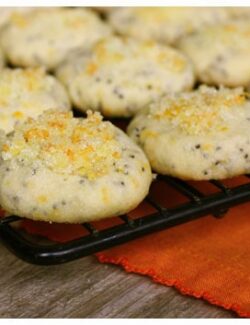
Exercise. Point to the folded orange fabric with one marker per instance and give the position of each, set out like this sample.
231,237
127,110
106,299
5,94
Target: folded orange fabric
207,258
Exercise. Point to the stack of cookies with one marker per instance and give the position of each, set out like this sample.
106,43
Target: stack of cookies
182,81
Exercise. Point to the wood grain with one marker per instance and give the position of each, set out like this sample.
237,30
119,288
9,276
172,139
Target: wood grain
88,289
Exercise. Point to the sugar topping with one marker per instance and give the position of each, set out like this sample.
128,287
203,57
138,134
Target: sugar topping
66,145
198,112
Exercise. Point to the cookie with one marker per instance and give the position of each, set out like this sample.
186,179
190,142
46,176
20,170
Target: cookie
120,76
221,53
27,93
63,169
167,24
199,135
45,37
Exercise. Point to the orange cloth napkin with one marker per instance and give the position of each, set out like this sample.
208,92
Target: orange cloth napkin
208,258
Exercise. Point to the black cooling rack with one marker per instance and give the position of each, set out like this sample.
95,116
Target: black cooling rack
197,205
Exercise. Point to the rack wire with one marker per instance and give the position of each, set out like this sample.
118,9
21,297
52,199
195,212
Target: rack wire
197,205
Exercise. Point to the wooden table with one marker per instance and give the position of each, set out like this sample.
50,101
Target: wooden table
85,288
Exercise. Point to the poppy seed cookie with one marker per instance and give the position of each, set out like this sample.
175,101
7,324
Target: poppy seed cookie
199,135
45,37
220,53
120,76
63,169
164,24
27,93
